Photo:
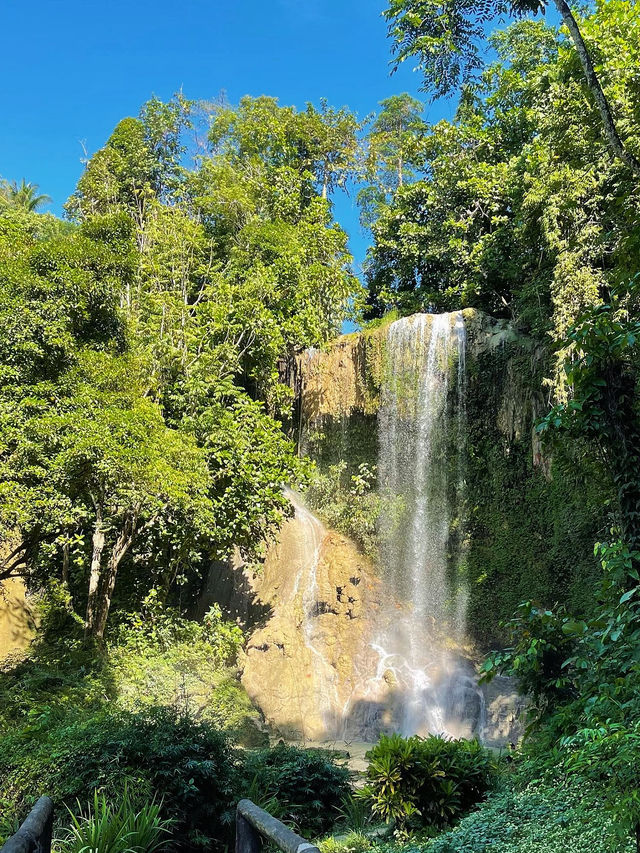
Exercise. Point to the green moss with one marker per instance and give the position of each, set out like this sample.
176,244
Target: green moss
530,531
351,439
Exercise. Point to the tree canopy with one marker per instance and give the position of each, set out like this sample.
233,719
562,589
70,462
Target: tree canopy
143,403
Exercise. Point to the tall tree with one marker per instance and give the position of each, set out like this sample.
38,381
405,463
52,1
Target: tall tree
394,140
393,153
444,35
23,196
319,143
521,209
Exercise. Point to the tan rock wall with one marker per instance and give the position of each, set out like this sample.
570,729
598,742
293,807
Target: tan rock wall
16,618
305,666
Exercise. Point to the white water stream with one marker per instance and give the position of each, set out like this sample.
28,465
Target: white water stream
421,429
305,590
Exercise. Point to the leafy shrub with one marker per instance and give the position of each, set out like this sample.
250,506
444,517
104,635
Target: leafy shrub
9,823
104,828
547,817
425,780
354,842
160,658
160,628
152,660
348,504
582,675
355,813
308,785
189,765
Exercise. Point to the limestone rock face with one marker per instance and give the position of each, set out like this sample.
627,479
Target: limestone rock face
16,618
304,668
316,669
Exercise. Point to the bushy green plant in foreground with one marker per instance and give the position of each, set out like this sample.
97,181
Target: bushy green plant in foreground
307,784
428,781
192,770
188,765
549,816
106,828
353,842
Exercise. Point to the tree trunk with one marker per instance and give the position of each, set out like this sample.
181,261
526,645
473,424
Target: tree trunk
610,131
94,576
119,550
65,563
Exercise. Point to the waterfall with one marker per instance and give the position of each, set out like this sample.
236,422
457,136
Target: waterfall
421,478
356,647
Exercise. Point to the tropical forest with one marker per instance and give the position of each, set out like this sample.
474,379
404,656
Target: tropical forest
320,442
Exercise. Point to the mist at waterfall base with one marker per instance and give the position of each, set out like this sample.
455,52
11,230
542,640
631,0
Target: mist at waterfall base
413,677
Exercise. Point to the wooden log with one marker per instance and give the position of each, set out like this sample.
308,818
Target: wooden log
34,836
253,822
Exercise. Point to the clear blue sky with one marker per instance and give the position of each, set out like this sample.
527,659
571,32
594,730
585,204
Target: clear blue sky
71,70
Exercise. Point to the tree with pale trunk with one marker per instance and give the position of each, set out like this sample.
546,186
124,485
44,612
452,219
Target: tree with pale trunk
444,36
127,478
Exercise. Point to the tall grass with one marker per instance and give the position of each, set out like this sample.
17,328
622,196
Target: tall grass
105,828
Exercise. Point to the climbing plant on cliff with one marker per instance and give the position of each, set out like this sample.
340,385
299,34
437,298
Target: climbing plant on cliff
583,673
601,371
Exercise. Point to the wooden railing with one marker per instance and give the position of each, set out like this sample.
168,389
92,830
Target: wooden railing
34,836
253,825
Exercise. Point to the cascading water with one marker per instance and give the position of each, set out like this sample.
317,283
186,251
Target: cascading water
421,476
306,595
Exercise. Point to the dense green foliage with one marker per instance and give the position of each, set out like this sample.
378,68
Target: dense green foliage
444,36
583,672
548,816
141,357
155,658
191,770
142,401
531,516
425,781
521,210
307,787
187,763
349,504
